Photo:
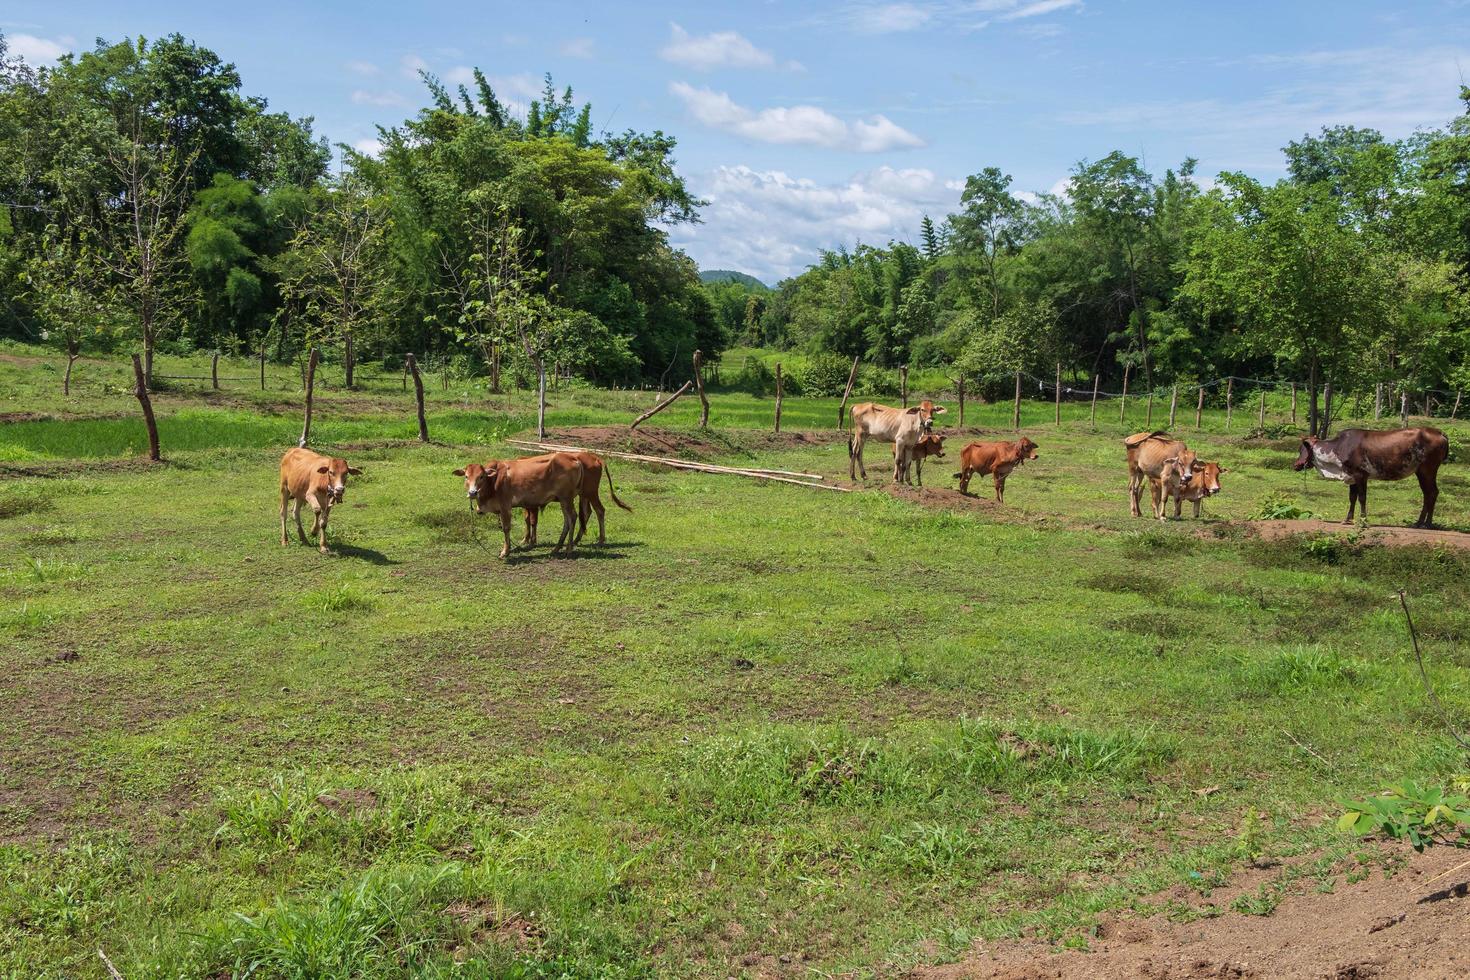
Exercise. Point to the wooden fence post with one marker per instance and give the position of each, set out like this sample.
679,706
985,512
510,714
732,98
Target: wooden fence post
1059,393
962,401
663,405
411,365
1261,415
262,366
1229,401
1293,404
903,383
1173,404
1326,409
1428,402
1123,402
1456,410
310,387
1199,409
540,395
778,397
699,384
846,394
140,391
214,370
349,359
1092,419
73,351
1016,411
1378,401
1148,414
1403,408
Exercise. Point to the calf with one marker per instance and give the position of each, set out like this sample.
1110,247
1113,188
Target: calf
1359,455
1148,452
1204,483
900,426
500,486
928,445
593,467
995,458
310,478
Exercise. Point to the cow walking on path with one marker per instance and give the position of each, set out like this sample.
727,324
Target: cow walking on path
1359,455
900,426
320,481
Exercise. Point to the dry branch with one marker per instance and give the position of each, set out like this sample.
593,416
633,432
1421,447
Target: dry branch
655,409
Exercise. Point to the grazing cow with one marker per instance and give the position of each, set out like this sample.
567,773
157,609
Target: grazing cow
1147,454
900,426
593,467
995,458
1204,483
310,478
928,445
1359,455
500,486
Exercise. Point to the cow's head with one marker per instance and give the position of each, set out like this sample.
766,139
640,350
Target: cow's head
334,473
1183,465
1207,475
928,410
1304,458
929,445
479,482
1025,449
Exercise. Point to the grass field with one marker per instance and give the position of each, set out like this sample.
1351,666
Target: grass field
765,731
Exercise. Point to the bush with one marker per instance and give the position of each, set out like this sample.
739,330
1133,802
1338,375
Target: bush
754,377
824,375
1276,507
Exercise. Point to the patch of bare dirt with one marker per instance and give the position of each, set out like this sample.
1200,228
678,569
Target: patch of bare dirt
1402,925
1386,535
68,467
944,498
647,441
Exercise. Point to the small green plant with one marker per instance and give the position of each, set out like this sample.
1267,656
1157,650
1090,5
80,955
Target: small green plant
1330,549
342,597
1277,507
1422,816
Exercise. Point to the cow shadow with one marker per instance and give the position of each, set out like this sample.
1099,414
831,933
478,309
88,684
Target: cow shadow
363,554
612,551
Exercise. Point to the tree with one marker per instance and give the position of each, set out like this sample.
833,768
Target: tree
61,280
989,225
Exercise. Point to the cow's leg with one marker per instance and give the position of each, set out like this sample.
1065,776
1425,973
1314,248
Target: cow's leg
296,513
1155,491
965,475
505,530
855,455
1198,506
1179,505
919,471
284,495
321,528
1352,503
601,512
1363,501
1135,492
533,523
568,526
1429,485
1000,487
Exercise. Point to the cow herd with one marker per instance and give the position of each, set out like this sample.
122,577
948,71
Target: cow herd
1172,470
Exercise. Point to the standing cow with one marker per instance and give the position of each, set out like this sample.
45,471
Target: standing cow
1359,455
593,467
928,445
500,486
1148,452
900,426
996,458
320,481
1204,483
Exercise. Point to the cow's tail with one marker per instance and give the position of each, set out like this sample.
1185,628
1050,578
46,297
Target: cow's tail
607,470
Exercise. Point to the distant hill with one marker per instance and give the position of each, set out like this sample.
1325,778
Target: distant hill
730,275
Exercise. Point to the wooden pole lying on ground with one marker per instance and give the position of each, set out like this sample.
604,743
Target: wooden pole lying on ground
1199,409
1092,419
657,408
1059,394
681,464
1229,400
1123,402
1261,415
1173,404
140,391
412,365
847,393
310,386
778,396
214,370
1016,411
699,384
903,383
1293,404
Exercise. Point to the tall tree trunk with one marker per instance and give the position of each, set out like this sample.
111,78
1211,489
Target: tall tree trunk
349,360
1313,419
699,383
540,399
494,368
140,391
418,393
148,356
73,351
310,388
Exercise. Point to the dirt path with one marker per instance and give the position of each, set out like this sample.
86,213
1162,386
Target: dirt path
1389,535
1399,925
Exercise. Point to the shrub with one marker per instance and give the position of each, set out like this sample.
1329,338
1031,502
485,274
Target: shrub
824,375
1409,812
1277,507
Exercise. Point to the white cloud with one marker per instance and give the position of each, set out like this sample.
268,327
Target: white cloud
722,49
411,65
802,124
773,225
890,19
364,97
1039,8
368,147
363,68
460,75
577,47
37,50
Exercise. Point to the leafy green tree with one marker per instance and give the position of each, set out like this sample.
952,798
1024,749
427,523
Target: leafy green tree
990,225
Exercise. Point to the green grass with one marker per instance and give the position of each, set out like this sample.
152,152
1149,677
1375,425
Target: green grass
858,731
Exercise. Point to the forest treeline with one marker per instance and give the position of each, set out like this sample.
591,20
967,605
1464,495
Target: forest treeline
1350,271
150,203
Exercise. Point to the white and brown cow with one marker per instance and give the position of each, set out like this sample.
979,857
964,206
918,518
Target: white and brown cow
1204,483
1148,452
317,480
900,426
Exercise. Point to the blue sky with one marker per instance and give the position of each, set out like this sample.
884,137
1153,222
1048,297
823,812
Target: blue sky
809,125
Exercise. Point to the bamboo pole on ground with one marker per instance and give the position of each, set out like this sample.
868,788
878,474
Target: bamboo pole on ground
1199,409
699,384
311,362
1123,402
903,383
659,407
214,371
1229,401
1016,411
1173,404
140,392
1059,394
1092,418
412,365
715,467
686,465
778,397
846,394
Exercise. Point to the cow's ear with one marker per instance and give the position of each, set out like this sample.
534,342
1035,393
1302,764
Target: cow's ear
324,469
354,471
1172,459
459,472
940,410
913,411
1224,470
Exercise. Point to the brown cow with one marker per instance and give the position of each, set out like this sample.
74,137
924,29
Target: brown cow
1359,455
593,467
502,485
310,478
995,458
1147,454
1204,483
928,445
900,426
